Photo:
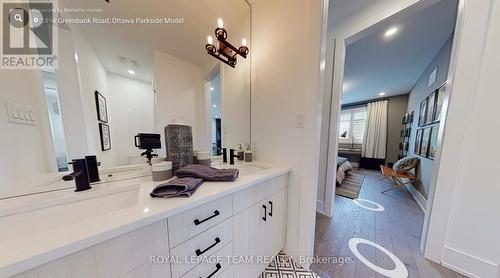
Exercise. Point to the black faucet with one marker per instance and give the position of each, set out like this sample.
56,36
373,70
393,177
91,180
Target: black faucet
232,155
224,155
80,175
92,168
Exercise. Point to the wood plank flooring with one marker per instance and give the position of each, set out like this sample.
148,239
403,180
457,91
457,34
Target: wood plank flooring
397,229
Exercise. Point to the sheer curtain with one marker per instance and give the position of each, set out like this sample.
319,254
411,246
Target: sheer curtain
375,137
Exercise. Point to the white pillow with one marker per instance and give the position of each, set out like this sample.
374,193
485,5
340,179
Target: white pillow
405,164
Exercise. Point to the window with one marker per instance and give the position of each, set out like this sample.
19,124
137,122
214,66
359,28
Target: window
352,124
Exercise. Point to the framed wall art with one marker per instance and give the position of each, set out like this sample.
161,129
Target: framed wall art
101,107
105,137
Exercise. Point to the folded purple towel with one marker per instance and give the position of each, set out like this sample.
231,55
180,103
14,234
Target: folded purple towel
207,173
183,187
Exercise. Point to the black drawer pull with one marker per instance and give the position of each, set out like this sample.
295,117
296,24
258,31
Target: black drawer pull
199,252
271,212
213,273
198,222
265,213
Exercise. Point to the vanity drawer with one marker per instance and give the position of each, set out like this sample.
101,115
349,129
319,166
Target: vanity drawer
186,225
277,184
252,195
214,265
246,198
204,244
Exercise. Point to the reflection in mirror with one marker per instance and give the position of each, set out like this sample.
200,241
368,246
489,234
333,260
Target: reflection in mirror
150,68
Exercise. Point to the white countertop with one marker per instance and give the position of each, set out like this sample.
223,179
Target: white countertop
45,245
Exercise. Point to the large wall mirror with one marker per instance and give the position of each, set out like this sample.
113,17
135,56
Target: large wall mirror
122,74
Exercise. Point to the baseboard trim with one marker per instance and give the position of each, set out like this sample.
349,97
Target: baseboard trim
419,198
320,206
467,264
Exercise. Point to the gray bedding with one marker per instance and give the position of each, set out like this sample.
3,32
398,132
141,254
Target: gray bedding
340,161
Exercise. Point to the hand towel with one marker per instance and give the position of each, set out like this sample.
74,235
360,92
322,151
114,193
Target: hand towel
207,173
182,187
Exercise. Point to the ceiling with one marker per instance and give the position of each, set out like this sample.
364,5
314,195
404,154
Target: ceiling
137,42
376,64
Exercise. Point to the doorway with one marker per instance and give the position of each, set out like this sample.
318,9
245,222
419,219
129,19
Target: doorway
389,88
55,119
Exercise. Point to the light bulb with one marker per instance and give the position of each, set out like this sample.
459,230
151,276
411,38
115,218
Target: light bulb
220,23
243,42
210,40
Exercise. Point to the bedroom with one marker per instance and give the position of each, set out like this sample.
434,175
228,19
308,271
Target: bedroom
381,153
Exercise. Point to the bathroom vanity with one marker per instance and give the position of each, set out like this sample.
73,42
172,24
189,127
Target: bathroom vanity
116,230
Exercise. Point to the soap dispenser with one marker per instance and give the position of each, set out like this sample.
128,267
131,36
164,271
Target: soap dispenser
241,153
248,154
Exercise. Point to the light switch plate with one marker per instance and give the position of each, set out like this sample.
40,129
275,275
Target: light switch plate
299,120
18,114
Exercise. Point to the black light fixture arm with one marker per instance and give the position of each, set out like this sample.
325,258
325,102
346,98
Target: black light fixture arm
225,51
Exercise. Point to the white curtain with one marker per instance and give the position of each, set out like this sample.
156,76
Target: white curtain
375,137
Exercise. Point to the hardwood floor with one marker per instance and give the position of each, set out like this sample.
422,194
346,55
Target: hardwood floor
397,229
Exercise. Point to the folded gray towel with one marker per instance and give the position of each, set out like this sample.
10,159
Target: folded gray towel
207,173
183,187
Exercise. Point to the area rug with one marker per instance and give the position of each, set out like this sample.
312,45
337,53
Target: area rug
286,267
350,186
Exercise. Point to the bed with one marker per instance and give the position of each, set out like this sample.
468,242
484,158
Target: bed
343,168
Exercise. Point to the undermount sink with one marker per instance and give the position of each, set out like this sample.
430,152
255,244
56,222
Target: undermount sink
245,168
23,216
250,169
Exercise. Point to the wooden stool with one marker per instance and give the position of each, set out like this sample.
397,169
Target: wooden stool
397,178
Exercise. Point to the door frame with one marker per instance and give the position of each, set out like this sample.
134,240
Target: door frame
337,51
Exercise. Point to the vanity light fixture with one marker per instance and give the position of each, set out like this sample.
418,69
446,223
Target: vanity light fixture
131,72
225,51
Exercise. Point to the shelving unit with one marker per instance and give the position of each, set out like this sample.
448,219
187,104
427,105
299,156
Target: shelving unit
406,121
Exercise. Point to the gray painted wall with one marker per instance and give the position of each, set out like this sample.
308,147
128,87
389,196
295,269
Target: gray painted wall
397,108
417,94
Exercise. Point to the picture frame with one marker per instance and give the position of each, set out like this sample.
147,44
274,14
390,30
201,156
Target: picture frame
439,103
422,112
426,136
431,102
105,136
433,141
418,142
101,107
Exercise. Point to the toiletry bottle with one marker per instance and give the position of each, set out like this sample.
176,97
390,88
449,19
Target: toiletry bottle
241,153
248,154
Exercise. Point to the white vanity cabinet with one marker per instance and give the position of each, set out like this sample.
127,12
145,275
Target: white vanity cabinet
259,231
238,233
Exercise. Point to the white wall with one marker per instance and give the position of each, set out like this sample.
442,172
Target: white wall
179,89
133,112
25,150
286,44
465,213
93,77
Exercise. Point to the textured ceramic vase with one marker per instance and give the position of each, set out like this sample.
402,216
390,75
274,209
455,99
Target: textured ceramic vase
179,144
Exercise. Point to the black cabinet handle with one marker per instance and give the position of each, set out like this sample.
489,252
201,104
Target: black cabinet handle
213,273
265,213
199,252
198,222
271,212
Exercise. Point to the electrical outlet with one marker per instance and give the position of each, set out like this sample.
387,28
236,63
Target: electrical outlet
299,120
18,114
